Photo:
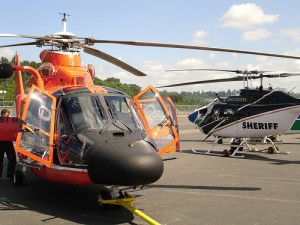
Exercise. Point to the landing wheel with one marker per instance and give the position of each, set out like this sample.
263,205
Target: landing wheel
18,178
105,195
271,149
226,153
275,149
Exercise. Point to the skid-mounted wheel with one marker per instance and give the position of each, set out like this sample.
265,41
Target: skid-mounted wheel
271,150
226,153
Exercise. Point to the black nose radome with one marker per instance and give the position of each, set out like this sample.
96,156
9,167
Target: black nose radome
122,163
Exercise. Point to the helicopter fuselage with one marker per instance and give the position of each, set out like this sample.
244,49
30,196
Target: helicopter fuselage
75,132
254,113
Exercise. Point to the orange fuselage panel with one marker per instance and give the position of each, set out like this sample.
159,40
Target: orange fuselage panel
71,59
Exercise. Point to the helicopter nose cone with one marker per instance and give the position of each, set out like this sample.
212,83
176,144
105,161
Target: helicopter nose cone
119,163
192,117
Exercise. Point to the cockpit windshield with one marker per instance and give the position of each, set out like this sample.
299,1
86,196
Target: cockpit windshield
84,112
79,113
122,112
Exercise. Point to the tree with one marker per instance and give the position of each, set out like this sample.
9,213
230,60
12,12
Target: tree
130,89
183,98
9,84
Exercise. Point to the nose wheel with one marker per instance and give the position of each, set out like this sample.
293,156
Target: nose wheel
104,195
123,199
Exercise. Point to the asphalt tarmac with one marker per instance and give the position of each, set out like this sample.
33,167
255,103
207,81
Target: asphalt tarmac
260,188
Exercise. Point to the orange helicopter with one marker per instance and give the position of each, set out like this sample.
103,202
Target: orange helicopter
69,130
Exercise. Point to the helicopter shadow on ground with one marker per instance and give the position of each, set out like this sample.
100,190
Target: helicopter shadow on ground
60,201
202,187
260,156
197,187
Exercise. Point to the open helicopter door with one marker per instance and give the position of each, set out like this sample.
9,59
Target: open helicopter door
172,110
35,138
157,119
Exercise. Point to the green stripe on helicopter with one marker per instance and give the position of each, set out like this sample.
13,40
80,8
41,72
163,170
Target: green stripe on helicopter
296,125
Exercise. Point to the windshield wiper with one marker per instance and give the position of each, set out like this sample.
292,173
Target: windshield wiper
115,119
100,109
125,125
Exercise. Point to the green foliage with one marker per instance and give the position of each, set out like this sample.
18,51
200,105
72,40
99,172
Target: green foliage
4,60
130,89
194,98
9,84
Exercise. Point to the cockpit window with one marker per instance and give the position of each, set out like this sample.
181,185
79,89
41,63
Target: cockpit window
79,113
121,111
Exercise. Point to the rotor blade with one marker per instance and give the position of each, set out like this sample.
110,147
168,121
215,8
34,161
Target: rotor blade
233,71
20,44
237,78
165,45
21,36
113,60
279,75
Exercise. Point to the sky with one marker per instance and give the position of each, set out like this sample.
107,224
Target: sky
265,26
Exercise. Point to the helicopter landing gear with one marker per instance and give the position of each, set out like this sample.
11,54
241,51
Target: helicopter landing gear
270,150
230,152
235,145
109,194
226,153
18,178
273,149
104,195
118,198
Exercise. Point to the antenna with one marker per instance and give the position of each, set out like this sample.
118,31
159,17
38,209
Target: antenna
64,22
291,90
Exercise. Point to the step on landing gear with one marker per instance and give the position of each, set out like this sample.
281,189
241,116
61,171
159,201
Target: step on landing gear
115,197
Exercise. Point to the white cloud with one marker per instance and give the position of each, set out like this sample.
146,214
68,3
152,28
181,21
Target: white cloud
294,33
234,55
224,65
151,65
246,16
7,53
212,56
200,34
190,63
257,34
198,38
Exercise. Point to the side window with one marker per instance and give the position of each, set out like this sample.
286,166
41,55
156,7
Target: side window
63,123
35,138
39,111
